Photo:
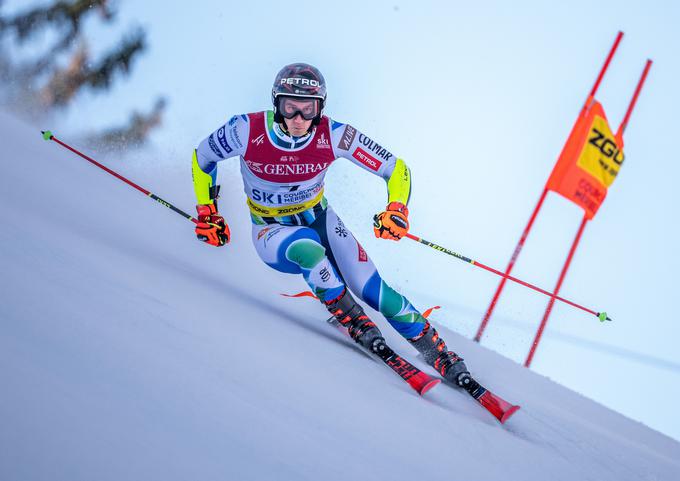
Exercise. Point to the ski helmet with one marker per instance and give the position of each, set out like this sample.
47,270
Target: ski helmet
299,80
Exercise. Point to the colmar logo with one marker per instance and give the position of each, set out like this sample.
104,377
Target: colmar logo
258,140
323,143
374,147
367,160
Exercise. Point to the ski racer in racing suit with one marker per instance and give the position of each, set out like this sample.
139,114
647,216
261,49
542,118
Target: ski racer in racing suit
284,155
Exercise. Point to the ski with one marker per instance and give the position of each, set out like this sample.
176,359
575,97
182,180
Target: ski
421,382
496,405
415,378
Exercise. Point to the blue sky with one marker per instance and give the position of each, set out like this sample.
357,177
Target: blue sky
478,100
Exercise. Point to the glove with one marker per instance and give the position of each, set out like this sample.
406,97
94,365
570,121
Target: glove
211,227
393,223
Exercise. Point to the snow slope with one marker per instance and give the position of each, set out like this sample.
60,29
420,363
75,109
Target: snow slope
130,351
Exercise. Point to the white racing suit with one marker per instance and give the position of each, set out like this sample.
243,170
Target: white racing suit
294,229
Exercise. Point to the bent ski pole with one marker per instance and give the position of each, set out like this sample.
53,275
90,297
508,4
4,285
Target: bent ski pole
47,135
602,316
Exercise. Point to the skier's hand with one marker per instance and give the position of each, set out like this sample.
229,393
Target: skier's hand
392,223
211,227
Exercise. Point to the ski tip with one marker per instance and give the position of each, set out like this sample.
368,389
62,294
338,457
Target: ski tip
507,414
421,382
47,135
432,383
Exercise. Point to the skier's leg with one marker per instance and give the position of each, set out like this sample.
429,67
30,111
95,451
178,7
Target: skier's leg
351,315
433,348
362,277
299,250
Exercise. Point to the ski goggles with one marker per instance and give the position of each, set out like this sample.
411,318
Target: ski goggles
308,108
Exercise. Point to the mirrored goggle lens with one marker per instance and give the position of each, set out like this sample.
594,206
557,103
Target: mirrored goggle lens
291,106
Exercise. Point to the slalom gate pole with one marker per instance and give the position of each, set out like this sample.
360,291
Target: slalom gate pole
633,101
593,91
47,135
558,286
511,264
602,316
520,244
565,268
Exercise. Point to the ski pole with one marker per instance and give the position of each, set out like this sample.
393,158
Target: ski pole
602,316
47,135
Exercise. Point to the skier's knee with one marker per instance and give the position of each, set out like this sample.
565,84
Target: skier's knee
316,268
305,252
324,280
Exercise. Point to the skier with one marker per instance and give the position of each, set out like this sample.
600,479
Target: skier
284,155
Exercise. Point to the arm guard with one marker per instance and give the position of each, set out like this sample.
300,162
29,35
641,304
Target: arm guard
399,184
203,183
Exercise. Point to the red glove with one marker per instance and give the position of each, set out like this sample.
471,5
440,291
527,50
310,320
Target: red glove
211,227
393,223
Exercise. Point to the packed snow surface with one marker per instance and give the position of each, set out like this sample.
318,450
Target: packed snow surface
129,351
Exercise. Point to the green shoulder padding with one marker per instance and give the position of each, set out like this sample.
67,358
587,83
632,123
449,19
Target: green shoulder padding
202,182
399,184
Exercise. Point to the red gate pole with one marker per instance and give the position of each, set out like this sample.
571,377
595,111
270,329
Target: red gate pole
518,248
633,101
593,91
511,264
619,137
556,292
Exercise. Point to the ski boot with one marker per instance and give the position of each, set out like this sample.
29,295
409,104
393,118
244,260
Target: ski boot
449,364
351,315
